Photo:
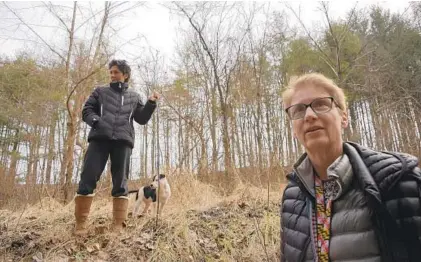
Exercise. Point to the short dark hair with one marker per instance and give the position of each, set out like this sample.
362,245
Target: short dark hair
122,66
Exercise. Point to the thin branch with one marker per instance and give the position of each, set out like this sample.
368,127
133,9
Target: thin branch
205,47
77,85
54,13
326,58
33,31
261,238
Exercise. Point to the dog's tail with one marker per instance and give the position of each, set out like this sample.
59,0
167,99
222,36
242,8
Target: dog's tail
135,191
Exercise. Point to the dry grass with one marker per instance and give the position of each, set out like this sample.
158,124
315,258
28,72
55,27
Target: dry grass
197,225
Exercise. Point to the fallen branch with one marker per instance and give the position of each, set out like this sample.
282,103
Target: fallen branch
262,238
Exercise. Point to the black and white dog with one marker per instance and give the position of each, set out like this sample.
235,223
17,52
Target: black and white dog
148,195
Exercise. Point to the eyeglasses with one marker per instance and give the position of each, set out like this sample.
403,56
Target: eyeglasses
319,106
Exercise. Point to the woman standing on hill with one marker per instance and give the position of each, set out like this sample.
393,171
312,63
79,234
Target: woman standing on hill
110,112
343,201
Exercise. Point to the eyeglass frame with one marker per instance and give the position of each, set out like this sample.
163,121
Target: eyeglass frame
332,101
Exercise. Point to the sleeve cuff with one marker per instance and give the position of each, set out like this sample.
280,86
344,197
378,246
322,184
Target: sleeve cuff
90,120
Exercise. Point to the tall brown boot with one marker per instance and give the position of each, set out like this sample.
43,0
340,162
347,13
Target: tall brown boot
120,205
82,208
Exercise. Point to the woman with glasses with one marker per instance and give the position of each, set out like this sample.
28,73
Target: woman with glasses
343,201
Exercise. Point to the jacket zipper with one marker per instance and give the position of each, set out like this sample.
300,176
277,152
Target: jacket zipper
130,117
379,227
312,236
101,110
302,255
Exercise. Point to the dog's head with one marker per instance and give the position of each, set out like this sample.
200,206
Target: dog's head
154,185
161,179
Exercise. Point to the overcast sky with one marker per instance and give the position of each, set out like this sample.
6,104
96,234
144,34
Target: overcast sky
151,23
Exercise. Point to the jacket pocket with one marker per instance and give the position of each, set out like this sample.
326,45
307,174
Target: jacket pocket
97,124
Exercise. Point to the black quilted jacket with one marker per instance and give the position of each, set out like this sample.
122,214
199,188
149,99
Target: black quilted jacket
110,111
392,185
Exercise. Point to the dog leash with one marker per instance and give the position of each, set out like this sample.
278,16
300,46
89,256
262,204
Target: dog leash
157,163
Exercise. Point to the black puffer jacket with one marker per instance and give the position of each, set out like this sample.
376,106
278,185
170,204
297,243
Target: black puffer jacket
392,185
110,111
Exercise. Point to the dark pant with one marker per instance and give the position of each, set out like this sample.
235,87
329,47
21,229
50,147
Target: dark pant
94,163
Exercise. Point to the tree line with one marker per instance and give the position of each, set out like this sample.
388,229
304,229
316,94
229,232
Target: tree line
221,108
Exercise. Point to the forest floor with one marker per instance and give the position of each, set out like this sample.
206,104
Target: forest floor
198,224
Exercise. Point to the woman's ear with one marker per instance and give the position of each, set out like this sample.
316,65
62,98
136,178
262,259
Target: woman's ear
344,122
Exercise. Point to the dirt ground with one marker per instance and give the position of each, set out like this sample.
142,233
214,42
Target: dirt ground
198,225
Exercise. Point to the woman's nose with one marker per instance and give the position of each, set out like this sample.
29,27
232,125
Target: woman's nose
310,113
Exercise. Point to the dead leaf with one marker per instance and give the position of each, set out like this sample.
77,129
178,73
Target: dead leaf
243,205
105,243
17,243
37,257
150,246
96,246
71,249
100,229
126,240
146,235
140,240
28,236
90,249
31,244
103,255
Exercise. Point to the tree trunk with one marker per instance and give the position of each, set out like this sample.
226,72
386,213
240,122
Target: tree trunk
213,126
5,132
236,134
243,133
36,159
31,173
167,144
68,159
186,147
51,149
203,162
180,143
14,160
71,132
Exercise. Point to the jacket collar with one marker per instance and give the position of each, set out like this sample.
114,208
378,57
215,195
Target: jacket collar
119,86
364,178
386,168
340,171
376,172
